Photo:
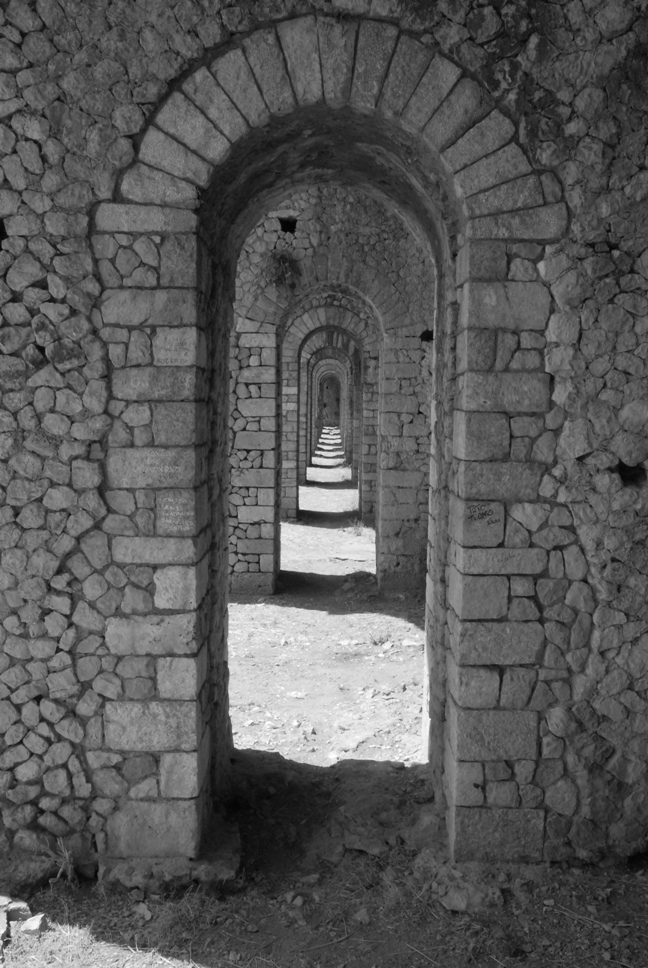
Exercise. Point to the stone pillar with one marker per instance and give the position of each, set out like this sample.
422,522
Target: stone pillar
157,712
403,464
254,451
496,645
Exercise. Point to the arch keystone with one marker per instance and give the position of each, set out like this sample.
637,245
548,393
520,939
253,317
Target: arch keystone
301,49
337,47
376,42
266,59
235,76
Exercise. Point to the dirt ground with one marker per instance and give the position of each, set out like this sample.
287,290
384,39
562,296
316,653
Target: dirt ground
343,847
327,668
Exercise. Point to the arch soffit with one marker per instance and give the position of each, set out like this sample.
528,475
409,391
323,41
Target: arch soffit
368,68
315,354
320,367
333,336
338,297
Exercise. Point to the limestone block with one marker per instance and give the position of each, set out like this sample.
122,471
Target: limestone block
478,525
154,551
562,797
495,480
257,374
152,726
153,635
150,186
497,643
496,834
179,263
179,423
502,794
157,383
400,403
161,151
146,828
394,478
256,407
159,307
481,260
473,687
179,347
233,73
266,59
482,139
255,546
465,105
407,66
463,782
517,686
252,477
475,597
205,92
180,677
252,583
142,467
502,166
182,775
180,118
437,82
547,223
500,561
480,436
376,42
299,42
492,734
181,587
525,192
254,440
113,217
505,305
181,513
337,40
254,514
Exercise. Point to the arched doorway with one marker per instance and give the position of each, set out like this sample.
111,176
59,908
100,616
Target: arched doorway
389,116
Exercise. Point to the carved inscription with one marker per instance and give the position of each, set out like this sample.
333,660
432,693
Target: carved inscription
482,512
176,514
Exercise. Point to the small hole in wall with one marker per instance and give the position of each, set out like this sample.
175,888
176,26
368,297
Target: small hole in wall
3,231
630,474
427,336
288,225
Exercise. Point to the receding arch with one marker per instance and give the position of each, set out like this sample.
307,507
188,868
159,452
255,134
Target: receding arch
386,114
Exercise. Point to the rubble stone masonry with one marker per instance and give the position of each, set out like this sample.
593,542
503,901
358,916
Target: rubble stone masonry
144,146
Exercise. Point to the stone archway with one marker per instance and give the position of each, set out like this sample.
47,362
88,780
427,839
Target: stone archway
331,363
451,164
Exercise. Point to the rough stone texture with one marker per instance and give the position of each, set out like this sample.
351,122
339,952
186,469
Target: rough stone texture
541,190
169,828
498,835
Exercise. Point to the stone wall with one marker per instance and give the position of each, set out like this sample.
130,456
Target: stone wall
140,143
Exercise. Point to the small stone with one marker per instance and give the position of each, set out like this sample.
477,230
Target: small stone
35,925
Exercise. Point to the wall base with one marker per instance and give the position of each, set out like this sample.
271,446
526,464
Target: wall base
257,583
